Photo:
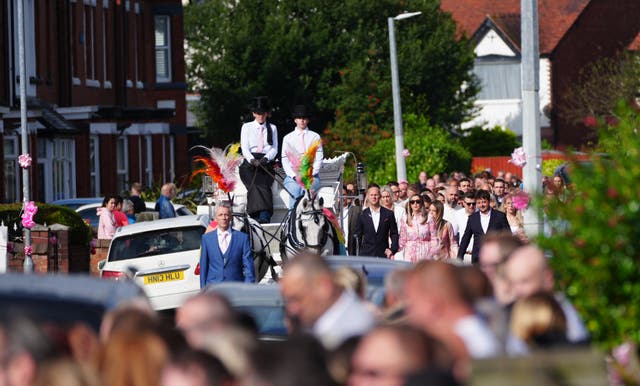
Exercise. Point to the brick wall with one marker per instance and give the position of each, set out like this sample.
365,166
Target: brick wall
52,252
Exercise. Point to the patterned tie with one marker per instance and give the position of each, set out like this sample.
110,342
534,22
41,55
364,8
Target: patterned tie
260,139
225,242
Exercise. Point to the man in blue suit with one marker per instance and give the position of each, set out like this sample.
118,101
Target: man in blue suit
225,254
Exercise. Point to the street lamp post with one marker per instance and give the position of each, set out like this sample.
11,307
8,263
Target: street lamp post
401,169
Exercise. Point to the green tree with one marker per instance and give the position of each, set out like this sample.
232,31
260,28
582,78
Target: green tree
431,149
494,142
596,243
296,51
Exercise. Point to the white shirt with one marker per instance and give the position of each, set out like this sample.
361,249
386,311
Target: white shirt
249,135
461,218
375,217
477,337
450,215
484,220
292,143
347,317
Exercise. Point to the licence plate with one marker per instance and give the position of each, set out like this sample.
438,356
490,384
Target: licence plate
164,277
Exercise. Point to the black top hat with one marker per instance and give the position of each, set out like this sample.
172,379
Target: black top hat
300,111
260,105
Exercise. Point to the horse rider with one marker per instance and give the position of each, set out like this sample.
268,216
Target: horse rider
259,145
297,142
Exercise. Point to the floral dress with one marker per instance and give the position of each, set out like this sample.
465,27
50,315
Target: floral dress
444,244
415,239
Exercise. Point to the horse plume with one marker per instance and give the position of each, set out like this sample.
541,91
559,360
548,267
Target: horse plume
303,166
220,165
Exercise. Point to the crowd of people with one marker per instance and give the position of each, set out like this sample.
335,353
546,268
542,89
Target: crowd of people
436,319
436,218
117,211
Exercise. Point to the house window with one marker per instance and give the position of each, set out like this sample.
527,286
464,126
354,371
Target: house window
149,169
163,48
499,79
76,38
11,171
56,168
63,162
94,164
89,34
106,64
122,163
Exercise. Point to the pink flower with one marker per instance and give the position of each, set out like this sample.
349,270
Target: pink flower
24,160
27,250
521,200
518,157
405,153
590,121
28,222
622,353
53,240
31,208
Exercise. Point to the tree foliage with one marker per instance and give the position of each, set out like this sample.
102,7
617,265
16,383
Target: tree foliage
333,55
495,142
431,149
601,84
596,244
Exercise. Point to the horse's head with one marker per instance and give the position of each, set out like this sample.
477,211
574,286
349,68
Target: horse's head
309,228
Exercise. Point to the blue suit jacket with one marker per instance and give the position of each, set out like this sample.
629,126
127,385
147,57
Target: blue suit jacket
234,265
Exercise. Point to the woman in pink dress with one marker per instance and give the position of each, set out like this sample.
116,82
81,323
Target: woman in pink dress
443,242
415,230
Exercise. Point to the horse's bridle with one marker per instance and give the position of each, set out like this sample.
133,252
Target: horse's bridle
296,224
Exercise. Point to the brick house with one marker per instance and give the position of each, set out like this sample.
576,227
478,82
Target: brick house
572,34
106,96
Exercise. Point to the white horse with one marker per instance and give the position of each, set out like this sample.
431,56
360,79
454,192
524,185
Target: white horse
308,228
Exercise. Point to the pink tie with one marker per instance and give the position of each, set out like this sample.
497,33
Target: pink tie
260,139
304,146
225,242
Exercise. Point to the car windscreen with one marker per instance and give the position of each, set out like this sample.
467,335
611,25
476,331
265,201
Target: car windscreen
157,242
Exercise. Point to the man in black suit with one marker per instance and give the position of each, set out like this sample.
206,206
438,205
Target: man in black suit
376,226
481,222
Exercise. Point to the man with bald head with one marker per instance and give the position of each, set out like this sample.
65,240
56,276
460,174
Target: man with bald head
315,303
527,272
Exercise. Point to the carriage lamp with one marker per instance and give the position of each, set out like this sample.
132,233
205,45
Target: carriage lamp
208,187
361,178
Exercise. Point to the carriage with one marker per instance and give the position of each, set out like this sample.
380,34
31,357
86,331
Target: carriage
314,223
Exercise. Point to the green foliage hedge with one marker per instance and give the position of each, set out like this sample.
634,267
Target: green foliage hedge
494,142
79,231
431,148
596,245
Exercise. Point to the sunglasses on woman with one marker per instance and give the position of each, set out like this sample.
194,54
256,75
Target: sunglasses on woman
415,202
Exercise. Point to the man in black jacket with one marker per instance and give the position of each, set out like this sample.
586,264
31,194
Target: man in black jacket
483,221
376,228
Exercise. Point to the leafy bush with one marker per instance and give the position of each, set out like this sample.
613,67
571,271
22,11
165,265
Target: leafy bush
432,149
595,251
79,231
549,166
493,142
